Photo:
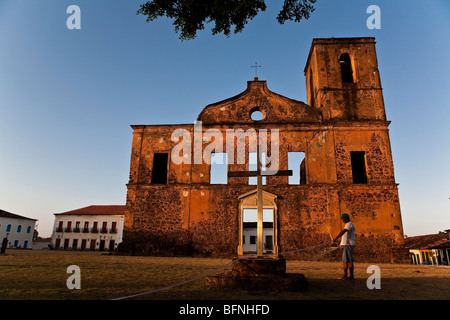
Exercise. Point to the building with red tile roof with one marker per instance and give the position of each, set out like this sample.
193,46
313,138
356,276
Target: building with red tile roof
95,227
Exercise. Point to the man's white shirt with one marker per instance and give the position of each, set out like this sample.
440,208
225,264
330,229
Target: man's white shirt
348,239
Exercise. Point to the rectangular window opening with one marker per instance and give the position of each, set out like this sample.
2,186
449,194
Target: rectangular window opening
219,168
253,166
296,163
159,170
358,161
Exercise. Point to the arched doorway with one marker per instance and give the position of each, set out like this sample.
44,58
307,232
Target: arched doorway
248,225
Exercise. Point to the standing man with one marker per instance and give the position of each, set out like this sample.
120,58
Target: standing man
347,244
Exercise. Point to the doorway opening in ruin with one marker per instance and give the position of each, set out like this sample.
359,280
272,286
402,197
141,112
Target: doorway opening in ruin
248,223
250,234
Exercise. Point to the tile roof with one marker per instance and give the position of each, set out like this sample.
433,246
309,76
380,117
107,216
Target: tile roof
428,241
44,240
6,214
97,210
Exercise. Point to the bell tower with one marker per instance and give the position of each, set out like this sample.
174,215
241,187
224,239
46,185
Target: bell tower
343,81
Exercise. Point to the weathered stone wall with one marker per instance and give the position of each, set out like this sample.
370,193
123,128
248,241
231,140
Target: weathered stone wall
307,216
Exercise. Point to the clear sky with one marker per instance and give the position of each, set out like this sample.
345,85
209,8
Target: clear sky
68,97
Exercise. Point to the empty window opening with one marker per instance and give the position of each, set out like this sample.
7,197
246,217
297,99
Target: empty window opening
219,168
159,170
358,160
346,68
252,166
296,163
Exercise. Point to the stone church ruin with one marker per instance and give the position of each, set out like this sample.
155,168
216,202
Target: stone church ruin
336,145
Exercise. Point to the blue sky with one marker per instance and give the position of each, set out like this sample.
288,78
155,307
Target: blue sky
68,97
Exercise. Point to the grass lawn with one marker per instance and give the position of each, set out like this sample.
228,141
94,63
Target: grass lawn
33,274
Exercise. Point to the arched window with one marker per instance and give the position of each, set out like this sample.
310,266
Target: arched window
19,228
28,229
8,228
346,68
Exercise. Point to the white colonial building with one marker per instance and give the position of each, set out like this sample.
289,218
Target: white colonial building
90,228
18,230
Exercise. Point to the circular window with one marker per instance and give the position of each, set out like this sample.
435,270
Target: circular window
256,115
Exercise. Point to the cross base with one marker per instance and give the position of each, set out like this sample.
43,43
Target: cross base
258,274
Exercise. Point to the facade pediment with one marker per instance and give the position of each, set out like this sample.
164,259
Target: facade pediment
257,97
248,199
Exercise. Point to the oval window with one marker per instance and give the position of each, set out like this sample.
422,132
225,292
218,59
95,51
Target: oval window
257,115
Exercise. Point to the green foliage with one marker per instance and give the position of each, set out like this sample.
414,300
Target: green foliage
191,15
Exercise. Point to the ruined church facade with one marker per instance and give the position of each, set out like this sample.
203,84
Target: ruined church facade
174,207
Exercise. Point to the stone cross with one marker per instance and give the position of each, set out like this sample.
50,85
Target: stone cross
259,173
256,69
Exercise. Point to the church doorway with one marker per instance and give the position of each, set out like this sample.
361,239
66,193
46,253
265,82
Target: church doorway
248,232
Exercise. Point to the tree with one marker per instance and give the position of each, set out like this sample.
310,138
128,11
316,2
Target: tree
191,15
